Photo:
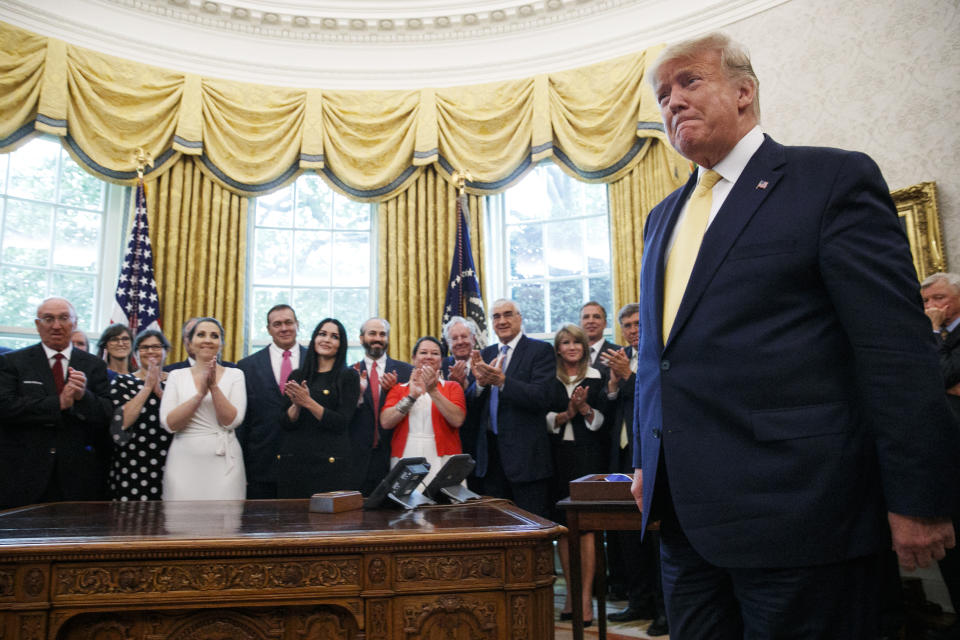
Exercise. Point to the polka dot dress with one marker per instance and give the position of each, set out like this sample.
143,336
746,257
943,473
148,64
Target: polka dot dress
140,452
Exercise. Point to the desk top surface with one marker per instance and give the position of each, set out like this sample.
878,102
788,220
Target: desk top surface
247,524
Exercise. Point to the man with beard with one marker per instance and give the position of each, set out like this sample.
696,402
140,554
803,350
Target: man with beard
378,374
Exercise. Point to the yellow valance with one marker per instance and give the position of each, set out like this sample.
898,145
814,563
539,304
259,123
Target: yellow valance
596,122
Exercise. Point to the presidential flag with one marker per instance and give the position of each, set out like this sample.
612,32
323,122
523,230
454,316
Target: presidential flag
136,303
463,291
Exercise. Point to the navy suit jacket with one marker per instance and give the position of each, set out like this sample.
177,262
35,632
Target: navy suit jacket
797,398
527,395
40,445
622,409
470,429
260,431
361,426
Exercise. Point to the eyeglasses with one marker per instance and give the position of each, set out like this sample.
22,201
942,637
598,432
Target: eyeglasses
50,320
150,347
119,339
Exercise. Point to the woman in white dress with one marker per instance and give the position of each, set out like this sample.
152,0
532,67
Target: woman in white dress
426,412
201,406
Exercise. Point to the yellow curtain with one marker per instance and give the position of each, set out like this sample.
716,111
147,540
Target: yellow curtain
631,199
416,236
199,235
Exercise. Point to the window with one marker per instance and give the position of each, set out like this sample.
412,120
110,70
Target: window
311,249
54,239
551,248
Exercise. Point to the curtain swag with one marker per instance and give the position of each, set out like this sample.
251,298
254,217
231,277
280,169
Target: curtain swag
596,122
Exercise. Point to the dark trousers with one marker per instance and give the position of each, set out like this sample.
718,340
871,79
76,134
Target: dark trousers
530,496
261,490
830,602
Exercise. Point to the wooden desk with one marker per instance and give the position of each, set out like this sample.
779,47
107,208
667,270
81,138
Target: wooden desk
582,517
270,569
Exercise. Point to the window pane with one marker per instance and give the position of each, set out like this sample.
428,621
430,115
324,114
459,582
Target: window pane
276,209
351,255
272,256
529,297
601,290
22,291
314,203
4,158
312,251
79,188
263,299
34,172
525,251
77,240
78,289
26,233
565,248
13,343
597,238
566,298
312,306
349,214
351,307
529,199
578,198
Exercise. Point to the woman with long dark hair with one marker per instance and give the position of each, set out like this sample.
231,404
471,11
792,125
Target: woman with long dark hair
115,347
323,393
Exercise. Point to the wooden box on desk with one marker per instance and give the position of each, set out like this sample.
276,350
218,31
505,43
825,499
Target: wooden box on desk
336,501
596,488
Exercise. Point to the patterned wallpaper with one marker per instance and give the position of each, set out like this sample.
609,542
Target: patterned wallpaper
878,77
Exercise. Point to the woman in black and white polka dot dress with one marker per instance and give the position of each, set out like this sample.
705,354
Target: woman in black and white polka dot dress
139,442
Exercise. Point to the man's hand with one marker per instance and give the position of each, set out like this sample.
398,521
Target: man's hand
636,488
76,382
919,541
618,362
388,380
936,315
487,375
458,373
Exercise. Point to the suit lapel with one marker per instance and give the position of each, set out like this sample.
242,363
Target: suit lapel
517,353
42,367
741,204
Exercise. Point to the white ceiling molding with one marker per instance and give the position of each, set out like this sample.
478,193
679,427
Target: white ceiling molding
372,44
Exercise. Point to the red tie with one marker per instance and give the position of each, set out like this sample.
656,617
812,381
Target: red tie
285,368
375,396
58,372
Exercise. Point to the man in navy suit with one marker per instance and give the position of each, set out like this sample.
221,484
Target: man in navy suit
378,374
789,410
515,389
54,399
265,372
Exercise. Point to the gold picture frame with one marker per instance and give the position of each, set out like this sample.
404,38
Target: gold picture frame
917,208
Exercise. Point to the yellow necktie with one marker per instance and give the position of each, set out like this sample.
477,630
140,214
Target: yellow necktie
685,248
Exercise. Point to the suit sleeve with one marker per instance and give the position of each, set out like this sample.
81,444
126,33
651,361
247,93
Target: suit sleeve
865,265
537,392
20,409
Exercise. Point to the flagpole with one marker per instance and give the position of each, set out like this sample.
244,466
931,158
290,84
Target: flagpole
463,291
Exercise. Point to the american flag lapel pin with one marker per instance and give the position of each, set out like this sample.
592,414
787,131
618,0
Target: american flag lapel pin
762,184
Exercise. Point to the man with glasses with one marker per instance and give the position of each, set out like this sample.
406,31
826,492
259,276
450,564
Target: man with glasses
54,398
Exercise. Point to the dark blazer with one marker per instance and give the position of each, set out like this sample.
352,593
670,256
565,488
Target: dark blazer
621,460
372,464
260,431
316,455
527,395
470,427
798,396
42,446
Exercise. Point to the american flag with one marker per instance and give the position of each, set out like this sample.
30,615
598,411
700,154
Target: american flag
463,291
136,303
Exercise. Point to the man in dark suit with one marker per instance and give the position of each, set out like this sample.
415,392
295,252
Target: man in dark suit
593,321
941,303
515,389
788,407
54,398
378,374
265,372
460,335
